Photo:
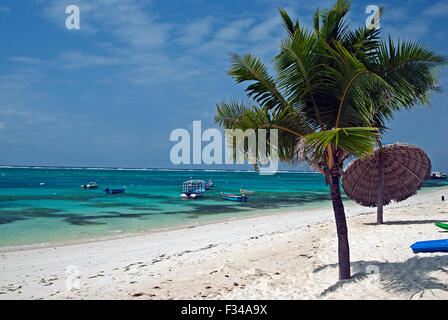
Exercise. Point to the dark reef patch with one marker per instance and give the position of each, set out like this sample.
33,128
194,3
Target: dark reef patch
90,220
6,219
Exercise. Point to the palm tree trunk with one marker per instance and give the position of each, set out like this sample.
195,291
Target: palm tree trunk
341,226
379,206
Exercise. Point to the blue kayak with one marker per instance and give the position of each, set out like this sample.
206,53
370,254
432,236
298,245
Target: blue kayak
430,246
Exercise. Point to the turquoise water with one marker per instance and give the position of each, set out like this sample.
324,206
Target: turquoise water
41,205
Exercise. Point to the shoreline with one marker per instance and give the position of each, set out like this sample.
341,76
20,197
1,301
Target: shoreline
184,261
148,232
348,204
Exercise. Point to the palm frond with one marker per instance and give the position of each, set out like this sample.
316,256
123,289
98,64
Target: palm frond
333,25
288,25
410,69
362,43
358,142
316,21
297,65
263,88
354,85
229,114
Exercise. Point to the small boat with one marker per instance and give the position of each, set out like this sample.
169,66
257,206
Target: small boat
193,189
430,246
442,225
438,176
232,197
209,184
90,185
246,191
111,191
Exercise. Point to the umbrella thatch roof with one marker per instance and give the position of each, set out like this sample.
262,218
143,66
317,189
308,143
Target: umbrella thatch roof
406,167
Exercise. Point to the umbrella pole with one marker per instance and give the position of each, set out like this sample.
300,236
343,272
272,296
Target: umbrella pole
379,212
256,167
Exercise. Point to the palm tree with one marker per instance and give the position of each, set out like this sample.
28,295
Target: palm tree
333,93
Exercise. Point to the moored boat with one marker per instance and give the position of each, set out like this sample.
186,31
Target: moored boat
232,197
193,189
438,176
246,191
111,191
209,184
90,185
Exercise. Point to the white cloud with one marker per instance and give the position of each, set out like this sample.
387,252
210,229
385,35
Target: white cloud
4,10
127,20
142,49
398,13
14,119
195,32
23,76
25,60
264,29
19,102
75,60
133,40
234,29
403,21
438,9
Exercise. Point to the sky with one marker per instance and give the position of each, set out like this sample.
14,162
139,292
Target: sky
110,93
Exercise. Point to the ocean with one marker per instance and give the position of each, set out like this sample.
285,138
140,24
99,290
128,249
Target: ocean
47,205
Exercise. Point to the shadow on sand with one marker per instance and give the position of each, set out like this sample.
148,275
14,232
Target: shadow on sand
409,278
403,222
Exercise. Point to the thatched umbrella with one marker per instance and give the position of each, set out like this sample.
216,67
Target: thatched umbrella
393,172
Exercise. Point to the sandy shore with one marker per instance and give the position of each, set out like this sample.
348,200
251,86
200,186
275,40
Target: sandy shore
281,256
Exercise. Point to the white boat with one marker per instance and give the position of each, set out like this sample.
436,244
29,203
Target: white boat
193,189
437,176
90,185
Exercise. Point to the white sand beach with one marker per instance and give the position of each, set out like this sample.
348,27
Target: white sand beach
282,256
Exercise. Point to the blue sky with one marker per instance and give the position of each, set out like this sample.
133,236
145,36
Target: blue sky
110,93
